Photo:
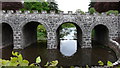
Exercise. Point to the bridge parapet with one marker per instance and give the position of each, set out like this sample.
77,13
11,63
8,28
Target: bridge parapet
53,12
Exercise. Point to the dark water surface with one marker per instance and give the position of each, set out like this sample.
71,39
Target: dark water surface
69,53
81,58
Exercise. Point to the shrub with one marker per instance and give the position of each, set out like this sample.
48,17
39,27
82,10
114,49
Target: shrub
112,12
18,60
92,10
80,11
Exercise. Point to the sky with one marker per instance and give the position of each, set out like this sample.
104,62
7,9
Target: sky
73,5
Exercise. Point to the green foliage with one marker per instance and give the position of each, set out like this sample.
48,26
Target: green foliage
110,64
80,11
38,59
34,0
118,66
53,6
92,10
40,6
36,6
93,33
18,60
100,63
87,66
14,61
41,28
72,67
53,63
67,25
41,32
112,12
91,4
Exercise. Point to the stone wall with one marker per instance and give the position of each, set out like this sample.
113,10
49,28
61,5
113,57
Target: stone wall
119,25
51,21
23,26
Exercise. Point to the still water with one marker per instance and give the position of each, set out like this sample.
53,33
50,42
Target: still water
68,54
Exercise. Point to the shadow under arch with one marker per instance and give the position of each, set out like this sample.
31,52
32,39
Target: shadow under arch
7,35
29,32
79,34
100,34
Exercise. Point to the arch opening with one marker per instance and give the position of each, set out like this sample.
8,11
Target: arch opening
33,32
100,35
69,38
7,35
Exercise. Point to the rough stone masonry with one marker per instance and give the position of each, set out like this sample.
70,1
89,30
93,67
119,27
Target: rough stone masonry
21,28
24,26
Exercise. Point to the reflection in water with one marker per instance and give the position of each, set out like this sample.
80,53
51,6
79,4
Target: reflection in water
68,47
81,58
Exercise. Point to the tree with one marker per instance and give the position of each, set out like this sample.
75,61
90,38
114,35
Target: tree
105,6
53,6
91,4
36,6
92,10
47,6
11,5
79,11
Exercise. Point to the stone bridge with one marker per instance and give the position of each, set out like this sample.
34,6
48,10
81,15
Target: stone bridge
20,28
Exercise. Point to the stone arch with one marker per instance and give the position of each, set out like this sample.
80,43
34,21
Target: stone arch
29,32
10,23
101,34
105,24
65,21
39,21
7,34
79,32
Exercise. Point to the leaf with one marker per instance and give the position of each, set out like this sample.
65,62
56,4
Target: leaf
38,59
24,63
5,62
13,59
101,63
20,58
32,65
54,63
14,54
47,64
87,66
110,64
0,62
13,64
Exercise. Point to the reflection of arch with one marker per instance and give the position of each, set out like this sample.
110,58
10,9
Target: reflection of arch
79,33
101,34
29,33
7,34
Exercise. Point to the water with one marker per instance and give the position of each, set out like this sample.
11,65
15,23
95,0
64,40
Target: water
68,54
68,46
